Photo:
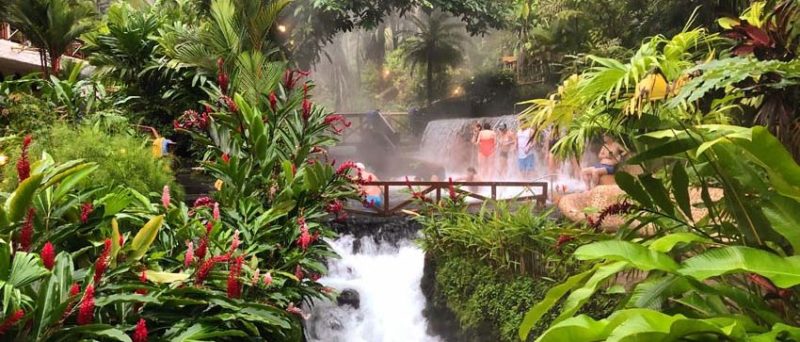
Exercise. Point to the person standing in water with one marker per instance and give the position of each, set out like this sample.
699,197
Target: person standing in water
486,145
611,154
373,193
525,157
506,142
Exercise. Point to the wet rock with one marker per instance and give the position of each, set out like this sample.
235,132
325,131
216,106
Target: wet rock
335,324
349,297
381,229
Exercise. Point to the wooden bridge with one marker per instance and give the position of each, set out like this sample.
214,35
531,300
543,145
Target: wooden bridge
395,200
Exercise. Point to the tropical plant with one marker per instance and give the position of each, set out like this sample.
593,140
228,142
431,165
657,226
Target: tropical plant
732,266
51,26
436,45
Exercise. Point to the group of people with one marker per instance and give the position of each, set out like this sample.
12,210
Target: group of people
495,148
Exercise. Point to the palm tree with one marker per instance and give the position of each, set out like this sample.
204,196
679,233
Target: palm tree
437,44
50,25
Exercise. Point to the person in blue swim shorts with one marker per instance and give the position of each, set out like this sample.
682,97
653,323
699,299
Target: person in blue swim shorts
611,154
373,194
525,156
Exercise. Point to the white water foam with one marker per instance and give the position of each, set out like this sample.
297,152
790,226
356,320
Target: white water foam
387,279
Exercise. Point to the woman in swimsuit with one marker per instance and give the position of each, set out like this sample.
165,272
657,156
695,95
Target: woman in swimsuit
486,144
611,154
506,142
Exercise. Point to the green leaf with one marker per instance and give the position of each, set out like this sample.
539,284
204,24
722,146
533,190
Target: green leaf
655,187
631,186
125,298
580,328
72,180
550,299
665,244
165,277
115,236
53,294
102,331
783,214
21,199
784,272
580,296
680,190
637,255
25,269
145,237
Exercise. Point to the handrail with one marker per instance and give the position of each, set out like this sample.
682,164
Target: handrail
425,188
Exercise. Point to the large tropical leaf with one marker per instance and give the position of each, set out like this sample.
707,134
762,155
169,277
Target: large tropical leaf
637,255
783,271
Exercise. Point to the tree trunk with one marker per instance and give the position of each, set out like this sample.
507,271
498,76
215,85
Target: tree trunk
429,79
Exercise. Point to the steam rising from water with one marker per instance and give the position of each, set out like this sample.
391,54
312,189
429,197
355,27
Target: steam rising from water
388,281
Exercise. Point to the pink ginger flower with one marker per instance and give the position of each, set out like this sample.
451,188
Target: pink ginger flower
140,333
74,290
305,239
86,310
189,257
86,210
215,211
48,255
234,287
102,262
11,320
26,233
297,311
256,277
23,164
234,242
268,279
452,189
165,197
228,102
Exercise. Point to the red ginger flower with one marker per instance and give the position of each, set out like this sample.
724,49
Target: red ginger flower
222,76
202,247
74,290
205,268
189,257
165,197
204,201
306,110
234,287
86,210
11,320
345,167
298,272
273,101
143,280
23,164
228,102
48,255
215,212
86,310
191,119
102,262
305,239
291,77
26,233
234,242
562,240
332,121
140,334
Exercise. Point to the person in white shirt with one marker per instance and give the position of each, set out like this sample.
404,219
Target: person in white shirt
525,156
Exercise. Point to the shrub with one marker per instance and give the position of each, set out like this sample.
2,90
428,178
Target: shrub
122,159
25,113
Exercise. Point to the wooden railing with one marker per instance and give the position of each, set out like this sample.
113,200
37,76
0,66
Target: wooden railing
435,191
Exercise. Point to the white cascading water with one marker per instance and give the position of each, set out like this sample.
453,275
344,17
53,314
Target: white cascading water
387,279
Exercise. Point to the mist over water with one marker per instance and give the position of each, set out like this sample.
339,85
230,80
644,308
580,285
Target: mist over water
387,279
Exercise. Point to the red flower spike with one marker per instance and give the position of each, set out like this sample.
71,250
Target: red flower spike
202,247
74,290
86,310
11,320
334,119
562,240
298,272
234,242
204,201
102,262
189,257
140,333
215,212
165,197
345,167
222,76
191,119
615,209
206,267
23,164
26,233
48,255
234,287
305,239
273,101
86,210
452,189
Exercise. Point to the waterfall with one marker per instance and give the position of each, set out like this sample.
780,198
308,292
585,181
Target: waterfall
386,278
447,141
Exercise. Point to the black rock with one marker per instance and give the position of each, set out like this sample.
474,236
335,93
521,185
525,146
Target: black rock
349,297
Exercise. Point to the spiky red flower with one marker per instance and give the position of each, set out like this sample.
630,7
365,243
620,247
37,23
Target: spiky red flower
621,208
298,272
345,167
48,255
202,247
11,320
101,263
306,110
26,233
189,257
86,210
23,164
334,119
273,101
222,76
86,310
228,102
207,266
165,197
234,287
234,242
140,333
305,238
74,290
291,77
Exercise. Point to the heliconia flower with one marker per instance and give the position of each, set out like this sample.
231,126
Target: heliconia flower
86,210
26,233
215,211
297,311
86,310
298,272
305,239
101,263
256,277
140,333
189,257
23,164
48,255
202,247
143,280
165,197
333,119
268,279
234,242
234,287
11,320
205,268
273,101
222,76
306,109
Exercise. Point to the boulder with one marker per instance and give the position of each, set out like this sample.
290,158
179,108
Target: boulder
349,297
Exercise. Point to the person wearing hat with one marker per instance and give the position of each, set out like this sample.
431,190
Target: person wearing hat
373,193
